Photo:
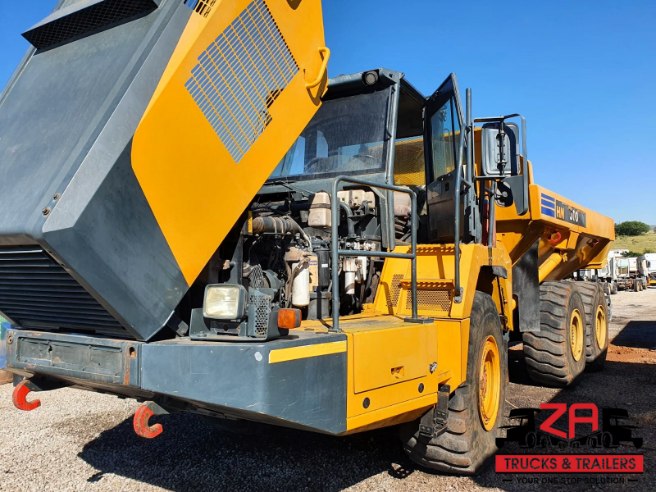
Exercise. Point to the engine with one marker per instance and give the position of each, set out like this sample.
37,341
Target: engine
280,256
288,249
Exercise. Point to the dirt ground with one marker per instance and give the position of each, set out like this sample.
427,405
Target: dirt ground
84,441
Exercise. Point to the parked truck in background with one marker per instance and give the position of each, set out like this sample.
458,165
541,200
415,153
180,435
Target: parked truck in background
609,273
193,215
619,272
631,273
650,267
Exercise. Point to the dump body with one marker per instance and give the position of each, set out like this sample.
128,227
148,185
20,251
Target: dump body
130,130
569,237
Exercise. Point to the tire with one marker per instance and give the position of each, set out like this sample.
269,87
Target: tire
531,440
613,288
469,438
597,318
555,355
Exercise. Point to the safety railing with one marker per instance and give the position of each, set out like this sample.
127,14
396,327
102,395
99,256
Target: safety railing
336,252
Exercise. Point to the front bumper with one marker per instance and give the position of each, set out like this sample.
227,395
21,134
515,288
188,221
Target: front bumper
298,381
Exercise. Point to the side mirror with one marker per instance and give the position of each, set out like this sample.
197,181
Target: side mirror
500,149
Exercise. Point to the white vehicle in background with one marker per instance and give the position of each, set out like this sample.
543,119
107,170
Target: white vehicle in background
617,252
631,273
650,265
610,273
624,273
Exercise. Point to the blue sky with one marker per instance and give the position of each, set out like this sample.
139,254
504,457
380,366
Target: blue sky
582,71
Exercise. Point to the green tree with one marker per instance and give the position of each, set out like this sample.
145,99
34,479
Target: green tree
631,228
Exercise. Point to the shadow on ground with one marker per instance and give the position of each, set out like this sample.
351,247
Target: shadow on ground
637,334
193,454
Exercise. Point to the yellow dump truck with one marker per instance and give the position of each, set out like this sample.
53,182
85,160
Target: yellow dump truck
193,215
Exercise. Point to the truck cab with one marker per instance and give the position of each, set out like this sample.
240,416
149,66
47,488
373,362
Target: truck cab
650,267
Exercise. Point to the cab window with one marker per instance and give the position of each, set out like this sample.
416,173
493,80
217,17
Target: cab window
445,130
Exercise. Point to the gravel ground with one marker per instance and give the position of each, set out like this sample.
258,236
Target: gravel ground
84,441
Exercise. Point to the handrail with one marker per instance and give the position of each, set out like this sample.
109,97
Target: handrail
457,298
336,252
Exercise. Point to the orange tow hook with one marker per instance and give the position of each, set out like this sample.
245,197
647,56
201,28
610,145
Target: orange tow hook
19,396
141,417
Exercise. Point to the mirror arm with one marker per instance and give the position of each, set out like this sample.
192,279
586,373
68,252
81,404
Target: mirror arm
495,119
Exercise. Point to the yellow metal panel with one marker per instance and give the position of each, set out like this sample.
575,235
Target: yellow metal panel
405,411
597,225
306,351
389,356
435,264
378,344
210,137
398,401
452,346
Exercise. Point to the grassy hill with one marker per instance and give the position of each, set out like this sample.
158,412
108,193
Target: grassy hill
639,244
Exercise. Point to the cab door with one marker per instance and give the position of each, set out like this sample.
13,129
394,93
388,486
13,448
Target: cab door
443,122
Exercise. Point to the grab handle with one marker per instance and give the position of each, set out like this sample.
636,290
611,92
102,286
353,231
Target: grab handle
325,53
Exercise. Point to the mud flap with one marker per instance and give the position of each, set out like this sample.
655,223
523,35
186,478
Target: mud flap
526,287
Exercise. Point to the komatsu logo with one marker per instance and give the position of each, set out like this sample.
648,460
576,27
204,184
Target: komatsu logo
555,208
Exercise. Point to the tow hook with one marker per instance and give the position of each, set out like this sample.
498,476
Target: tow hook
141,417
19,397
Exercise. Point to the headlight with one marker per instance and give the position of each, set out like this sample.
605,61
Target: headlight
224,302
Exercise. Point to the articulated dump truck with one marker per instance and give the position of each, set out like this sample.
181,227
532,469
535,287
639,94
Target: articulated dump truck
193,215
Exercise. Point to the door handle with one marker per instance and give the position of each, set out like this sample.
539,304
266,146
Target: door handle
325,53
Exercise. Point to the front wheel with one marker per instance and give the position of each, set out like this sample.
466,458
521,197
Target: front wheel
476,407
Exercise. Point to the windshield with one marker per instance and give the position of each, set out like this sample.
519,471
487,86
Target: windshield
346,135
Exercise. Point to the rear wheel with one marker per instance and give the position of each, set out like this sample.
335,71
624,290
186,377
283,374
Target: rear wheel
555,355
613,288
596,326
476,407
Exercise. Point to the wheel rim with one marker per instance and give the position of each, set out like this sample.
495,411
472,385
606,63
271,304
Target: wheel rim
489,383
601,328
576,334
